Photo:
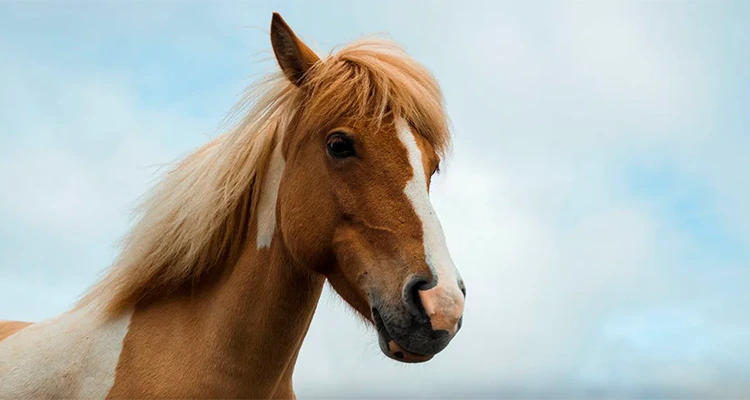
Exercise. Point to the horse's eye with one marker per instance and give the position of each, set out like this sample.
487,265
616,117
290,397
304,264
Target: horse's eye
340,146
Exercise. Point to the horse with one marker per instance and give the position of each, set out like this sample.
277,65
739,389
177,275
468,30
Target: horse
325,176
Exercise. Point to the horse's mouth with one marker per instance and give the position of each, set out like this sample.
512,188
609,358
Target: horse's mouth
390,347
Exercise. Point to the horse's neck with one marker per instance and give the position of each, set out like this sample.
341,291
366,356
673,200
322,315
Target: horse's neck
240,336
264,309
263,312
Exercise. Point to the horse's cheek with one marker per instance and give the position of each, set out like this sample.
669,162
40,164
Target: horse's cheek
308,219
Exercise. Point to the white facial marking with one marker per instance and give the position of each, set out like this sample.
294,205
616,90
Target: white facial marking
267,203
446,295
73,355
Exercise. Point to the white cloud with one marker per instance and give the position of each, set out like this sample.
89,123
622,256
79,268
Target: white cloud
573,281
77,153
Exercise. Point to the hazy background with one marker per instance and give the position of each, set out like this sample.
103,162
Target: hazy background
596,201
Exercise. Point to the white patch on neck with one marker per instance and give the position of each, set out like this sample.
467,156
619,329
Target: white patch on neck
73,355
267,203
435,247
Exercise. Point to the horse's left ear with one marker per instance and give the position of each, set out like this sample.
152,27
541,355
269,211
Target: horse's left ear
294,57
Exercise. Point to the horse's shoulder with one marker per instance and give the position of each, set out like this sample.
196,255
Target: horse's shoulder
8,328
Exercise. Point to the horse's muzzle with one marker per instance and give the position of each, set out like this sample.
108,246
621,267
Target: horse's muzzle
419,328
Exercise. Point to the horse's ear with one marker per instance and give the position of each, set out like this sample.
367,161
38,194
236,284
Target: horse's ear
294,57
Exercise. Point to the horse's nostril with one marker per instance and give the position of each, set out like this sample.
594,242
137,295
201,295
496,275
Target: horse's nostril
413,300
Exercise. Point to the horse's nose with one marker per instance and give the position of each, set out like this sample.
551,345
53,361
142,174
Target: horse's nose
441,304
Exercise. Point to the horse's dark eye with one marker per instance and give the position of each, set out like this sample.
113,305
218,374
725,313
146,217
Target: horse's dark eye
340,146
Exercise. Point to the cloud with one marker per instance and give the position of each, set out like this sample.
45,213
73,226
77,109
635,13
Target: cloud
77,151
581,282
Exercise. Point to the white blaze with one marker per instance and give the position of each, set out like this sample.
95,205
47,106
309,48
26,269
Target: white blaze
435,247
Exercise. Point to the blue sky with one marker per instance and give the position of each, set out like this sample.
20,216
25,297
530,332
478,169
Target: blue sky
596,200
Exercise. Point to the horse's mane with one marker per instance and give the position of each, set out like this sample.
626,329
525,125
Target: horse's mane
194,222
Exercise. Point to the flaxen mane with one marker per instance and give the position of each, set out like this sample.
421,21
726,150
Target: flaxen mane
195,221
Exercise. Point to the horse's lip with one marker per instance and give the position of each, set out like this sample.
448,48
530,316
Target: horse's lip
386,338
380,325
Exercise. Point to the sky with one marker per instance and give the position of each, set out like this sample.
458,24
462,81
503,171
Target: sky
595,201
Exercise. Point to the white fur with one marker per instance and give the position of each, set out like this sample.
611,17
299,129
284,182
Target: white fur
267,202
435,247
73,355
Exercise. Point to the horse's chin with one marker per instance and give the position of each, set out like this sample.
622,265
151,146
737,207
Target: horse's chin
395,352
392,349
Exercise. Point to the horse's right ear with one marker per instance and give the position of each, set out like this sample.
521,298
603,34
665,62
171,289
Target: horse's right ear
294,57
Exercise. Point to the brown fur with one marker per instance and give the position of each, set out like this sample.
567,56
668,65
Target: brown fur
239,336
8,328
214,315
187,227
235,339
